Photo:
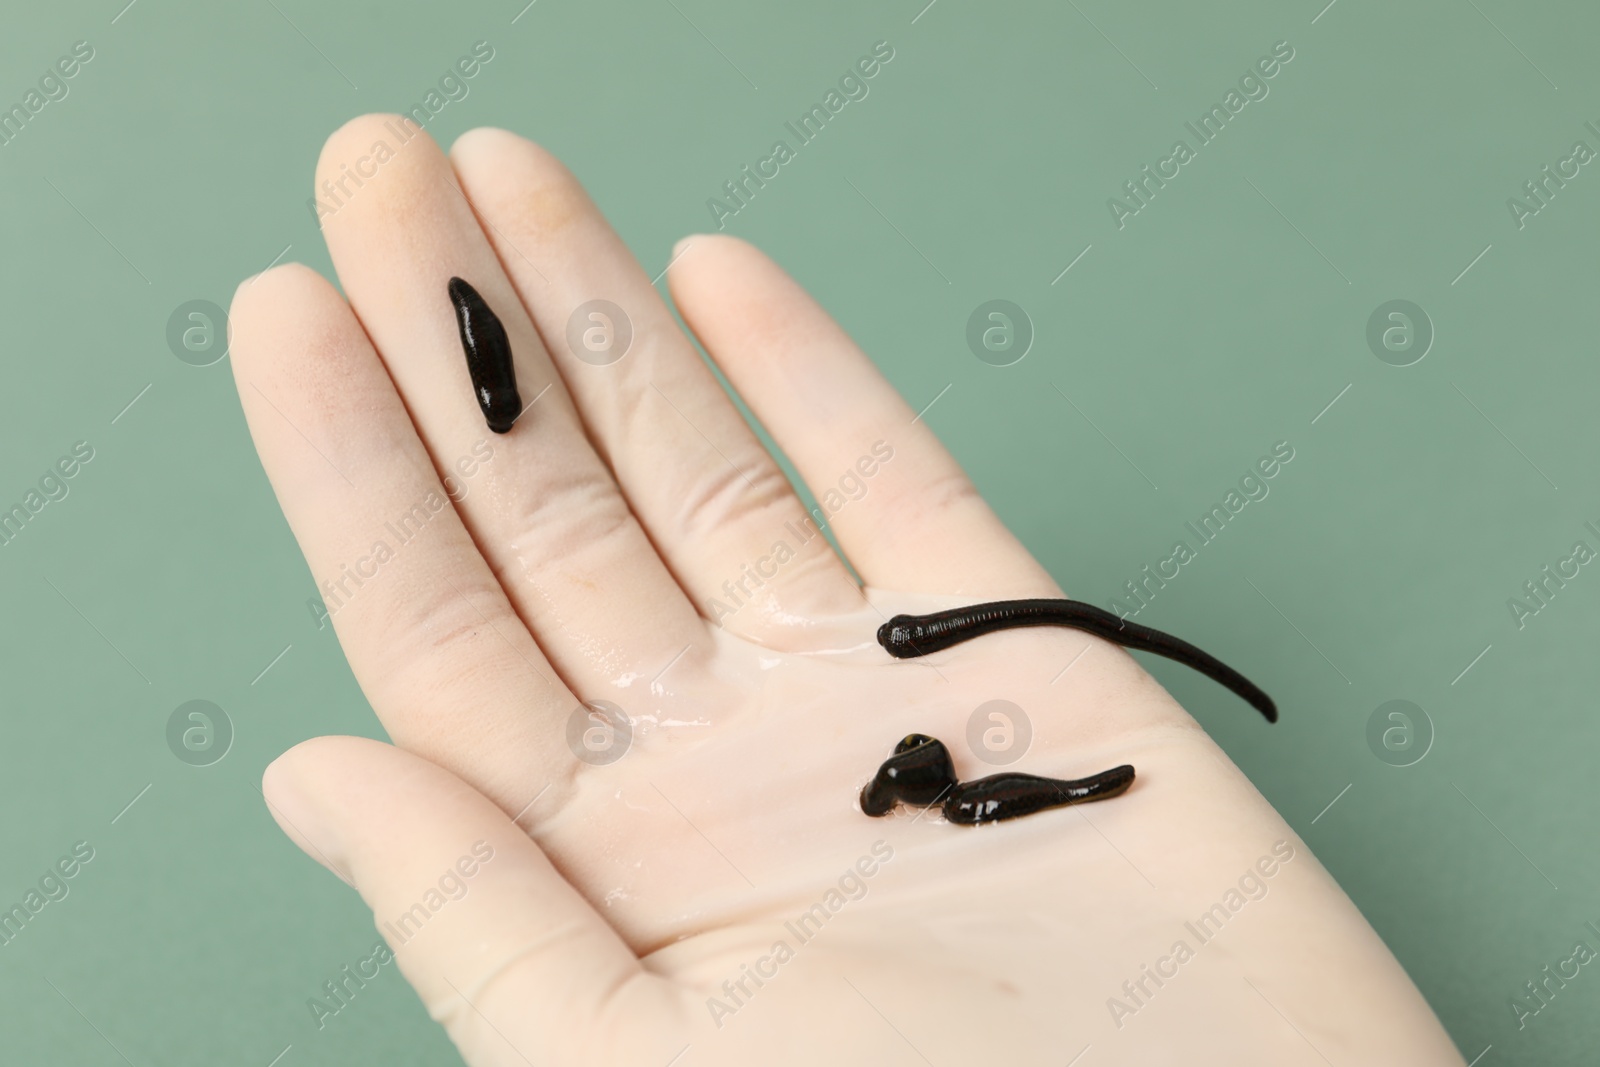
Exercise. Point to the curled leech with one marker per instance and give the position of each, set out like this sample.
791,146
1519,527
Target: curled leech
483,338
921,774
909,636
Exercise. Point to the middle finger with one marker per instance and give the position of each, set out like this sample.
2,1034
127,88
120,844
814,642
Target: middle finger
542,507
717,505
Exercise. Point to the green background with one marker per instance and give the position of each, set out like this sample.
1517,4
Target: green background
1221,319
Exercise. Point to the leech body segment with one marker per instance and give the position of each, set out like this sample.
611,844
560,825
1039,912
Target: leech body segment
483,338
920,773
909,636
1012,794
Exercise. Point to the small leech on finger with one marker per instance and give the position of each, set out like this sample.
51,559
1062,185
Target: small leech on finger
920,773
483,338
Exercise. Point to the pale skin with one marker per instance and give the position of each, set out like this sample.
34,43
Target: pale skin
619,545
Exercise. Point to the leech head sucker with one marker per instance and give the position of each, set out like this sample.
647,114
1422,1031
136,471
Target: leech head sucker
911,741
896,636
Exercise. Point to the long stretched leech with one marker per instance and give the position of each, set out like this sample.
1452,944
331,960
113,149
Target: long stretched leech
909,636
483,338
920,773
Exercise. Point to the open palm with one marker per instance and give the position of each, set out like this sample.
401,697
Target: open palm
635,692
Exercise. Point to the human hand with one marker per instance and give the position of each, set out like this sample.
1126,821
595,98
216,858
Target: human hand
621,544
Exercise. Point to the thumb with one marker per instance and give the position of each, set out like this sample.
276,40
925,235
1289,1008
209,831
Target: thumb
501,949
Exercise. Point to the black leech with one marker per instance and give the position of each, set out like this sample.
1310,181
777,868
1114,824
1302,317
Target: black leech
919,772
494,379
908,636
1012,795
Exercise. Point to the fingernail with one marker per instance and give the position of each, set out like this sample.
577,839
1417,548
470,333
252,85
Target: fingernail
295,804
